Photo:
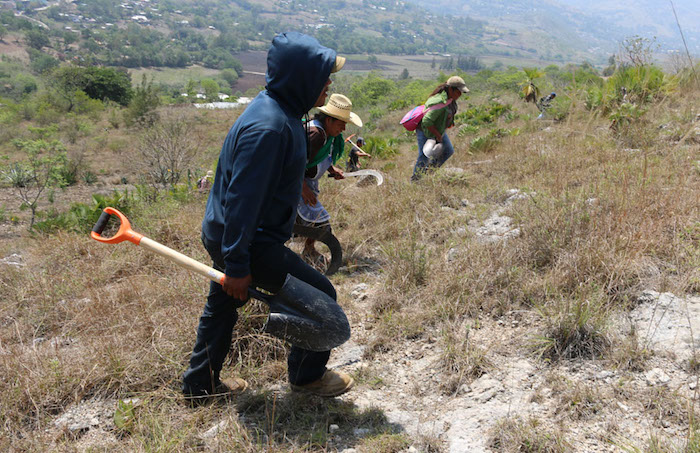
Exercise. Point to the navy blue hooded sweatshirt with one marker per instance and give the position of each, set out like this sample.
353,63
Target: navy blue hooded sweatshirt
261,166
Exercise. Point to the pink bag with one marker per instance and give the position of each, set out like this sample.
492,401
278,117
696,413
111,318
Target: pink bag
412,119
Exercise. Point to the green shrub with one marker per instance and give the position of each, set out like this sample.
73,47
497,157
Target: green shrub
483,114
381,148
81,217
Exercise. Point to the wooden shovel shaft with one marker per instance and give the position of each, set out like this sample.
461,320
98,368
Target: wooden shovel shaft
183,260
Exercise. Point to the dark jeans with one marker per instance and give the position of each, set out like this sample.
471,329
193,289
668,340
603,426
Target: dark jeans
423,163
269,263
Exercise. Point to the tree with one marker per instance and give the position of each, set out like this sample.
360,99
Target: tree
211,89
65,81
168,148
3,32
230,76
404,74
41,170
69,38
97,82
637,51
142,109
40,62
191,88
36,38
108,83
530,91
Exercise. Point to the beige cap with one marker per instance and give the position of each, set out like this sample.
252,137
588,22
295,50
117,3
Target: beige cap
210,174
339,63
457,82
340,107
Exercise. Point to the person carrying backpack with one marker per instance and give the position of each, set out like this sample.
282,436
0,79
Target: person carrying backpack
440,110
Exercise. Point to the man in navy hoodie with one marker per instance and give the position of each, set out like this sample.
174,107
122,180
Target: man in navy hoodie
250,214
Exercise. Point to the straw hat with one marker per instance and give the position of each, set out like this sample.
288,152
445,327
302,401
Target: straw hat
340,107
339,63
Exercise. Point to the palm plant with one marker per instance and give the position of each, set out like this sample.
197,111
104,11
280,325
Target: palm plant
530,91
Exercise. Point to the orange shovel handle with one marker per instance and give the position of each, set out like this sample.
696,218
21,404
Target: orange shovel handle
125,233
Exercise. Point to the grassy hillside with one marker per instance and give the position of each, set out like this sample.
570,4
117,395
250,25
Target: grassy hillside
598,202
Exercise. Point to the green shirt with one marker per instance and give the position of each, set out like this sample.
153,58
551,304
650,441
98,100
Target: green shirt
439,118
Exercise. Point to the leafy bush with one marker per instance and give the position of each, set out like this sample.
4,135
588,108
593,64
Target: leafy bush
380,147
637,85
483,114
96,82
142,110
81,217
369,91
40,171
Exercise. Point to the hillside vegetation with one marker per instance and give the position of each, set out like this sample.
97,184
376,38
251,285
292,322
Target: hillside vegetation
599,201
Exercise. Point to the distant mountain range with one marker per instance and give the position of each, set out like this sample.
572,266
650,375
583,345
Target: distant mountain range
592,26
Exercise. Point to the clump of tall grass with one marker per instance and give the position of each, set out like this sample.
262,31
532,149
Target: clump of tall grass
516,434
573,329
462,361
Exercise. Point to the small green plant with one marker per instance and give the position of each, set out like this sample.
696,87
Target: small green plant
381,148
483,144
40,171
81,217
483,114
89,178
576,328
530,92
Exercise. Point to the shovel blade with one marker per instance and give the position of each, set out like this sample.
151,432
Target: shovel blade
306,317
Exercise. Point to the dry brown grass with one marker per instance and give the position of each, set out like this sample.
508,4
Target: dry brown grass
600,223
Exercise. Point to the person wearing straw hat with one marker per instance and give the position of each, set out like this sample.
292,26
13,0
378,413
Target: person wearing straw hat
434,124
250,214
325,148
204,183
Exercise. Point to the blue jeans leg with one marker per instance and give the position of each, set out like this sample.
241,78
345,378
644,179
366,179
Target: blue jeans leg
447,151
422,160
213,333
270,264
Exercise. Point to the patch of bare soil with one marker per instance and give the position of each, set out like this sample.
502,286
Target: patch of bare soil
11,47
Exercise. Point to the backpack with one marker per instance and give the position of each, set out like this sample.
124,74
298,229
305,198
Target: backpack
412,119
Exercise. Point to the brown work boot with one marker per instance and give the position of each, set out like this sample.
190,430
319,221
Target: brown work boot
332,383
225,388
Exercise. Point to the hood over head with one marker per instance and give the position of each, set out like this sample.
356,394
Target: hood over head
298,67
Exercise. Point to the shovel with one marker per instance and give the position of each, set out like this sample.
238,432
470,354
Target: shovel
299,313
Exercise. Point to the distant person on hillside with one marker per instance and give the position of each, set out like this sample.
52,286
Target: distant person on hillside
204,183
250,214
545,103
326,146
355,153
435,122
